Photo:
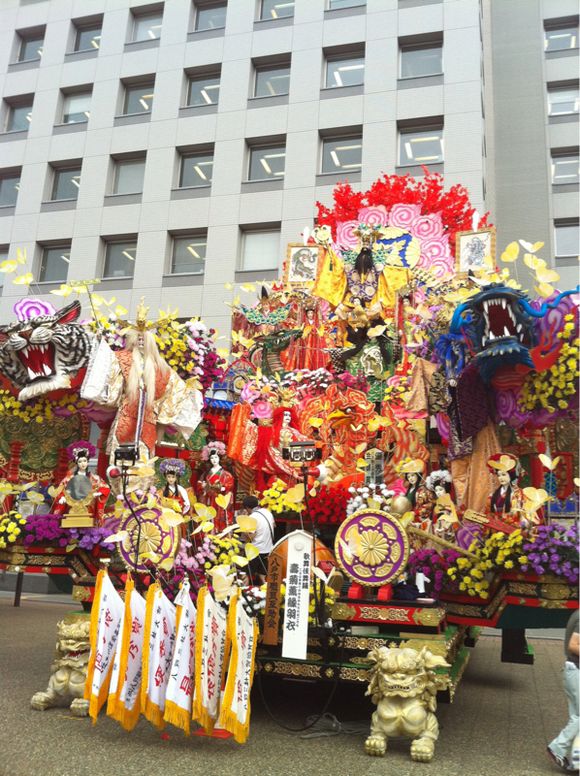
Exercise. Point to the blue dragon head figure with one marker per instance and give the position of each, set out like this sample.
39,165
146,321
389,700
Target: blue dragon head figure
498,326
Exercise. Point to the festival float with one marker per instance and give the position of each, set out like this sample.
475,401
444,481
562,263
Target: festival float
399,402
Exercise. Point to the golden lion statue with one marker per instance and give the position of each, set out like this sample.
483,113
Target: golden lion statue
69,669
404,686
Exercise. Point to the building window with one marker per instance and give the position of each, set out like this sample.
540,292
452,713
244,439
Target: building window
565,167
210,17
138,97
120,258
567,235
344,70
9,188
66,183
76,108
188,255
129,175
333,5
196,169
418,60
146,26
342,154
560,37
30,46
271,80
421,146
87,36
54,263
276,9
267,162
562,100
18,116
260,249
203,90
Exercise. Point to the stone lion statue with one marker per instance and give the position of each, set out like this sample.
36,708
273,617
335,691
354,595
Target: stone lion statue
404,686
69,670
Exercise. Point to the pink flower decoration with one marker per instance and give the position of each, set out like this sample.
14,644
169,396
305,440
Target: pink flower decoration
428,226
436,257
345,235
373,216
262,409
404,215
249,393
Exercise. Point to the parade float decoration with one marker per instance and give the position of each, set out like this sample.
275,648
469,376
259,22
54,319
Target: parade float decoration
399,402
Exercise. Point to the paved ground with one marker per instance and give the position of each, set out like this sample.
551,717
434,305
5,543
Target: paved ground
499,724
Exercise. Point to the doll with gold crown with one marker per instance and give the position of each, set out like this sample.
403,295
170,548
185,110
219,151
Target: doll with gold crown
81,496
506,501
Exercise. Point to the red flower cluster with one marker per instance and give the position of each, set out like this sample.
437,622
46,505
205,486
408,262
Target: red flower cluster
329,504
453,205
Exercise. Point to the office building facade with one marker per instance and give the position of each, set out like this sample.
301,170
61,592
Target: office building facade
173,149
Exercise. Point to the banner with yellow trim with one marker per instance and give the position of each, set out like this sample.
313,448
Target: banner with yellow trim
211,644
124,694
179,695
243,634
159,639
106,616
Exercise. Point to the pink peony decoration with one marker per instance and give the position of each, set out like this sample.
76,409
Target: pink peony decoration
345,236
427,227
262,409
249,393
373,216
404,215
436,257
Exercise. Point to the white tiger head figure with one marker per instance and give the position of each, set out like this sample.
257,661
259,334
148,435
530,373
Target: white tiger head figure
44,353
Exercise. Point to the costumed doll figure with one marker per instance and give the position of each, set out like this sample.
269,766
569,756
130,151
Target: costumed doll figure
260,445
172,469
270,459
81,496
146,392
418,494
216,481
311,349
444,515
507,499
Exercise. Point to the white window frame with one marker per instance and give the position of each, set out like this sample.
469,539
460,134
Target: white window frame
343,57
133,261
419,129
188,236
275,18
204,6
563,225
139,17
554,90
341,170
417,47
249,231
64,247
119,163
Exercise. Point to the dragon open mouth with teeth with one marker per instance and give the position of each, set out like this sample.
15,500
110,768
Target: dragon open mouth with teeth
498,325
44,353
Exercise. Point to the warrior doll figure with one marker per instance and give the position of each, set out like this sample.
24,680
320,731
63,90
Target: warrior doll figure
217,481
444,515
81,494
507,499
172,470
417,493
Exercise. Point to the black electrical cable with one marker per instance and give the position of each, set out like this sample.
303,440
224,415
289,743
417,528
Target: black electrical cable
318,716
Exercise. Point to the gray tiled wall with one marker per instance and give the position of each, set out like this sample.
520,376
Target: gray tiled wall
377,110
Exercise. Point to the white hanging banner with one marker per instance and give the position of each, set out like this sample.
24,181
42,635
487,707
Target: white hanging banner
179,695
295,630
